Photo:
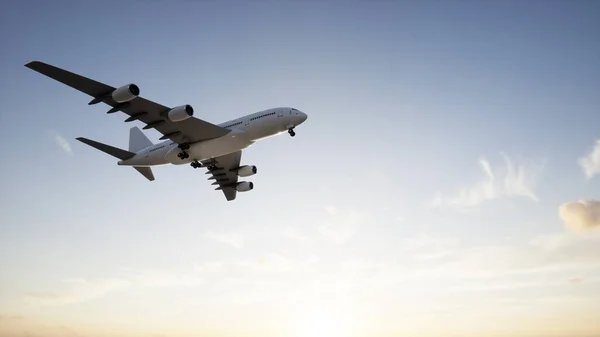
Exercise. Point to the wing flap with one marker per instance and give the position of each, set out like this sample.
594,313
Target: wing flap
223,175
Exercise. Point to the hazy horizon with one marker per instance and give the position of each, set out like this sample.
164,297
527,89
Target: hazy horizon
446,182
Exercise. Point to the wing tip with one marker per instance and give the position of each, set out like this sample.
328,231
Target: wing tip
32,64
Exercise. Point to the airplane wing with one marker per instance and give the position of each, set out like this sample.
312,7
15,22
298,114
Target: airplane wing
222,174
189,130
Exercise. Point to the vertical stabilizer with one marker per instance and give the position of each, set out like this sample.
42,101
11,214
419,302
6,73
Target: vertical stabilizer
137,140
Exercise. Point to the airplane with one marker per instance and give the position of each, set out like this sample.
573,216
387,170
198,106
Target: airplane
185,139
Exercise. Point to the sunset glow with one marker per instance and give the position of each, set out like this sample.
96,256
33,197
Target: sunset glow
445,184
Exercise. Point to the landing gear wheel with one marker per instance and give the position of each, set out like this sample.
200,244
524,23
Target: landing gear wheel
212,164
184,146
291,132
195,164
183,155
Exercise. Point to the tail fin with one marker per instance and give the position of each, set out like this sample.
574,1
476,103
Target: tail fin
137,140
118,153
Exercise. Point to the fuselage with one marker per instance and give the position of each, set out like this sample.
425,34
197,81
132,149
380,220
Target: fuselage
243,132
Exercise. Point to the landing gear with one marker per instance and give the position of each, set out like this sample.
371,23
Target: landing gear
195,164
291,132
212,165
183,155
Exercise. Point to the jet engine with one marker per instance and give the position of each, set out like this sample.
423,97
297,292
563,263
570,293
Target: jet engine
246,170
244,186
125,93
180,113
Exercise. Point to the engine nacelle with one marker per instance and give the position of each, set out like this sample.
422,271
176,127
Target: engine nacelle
246,170
125,93
180,113
244,186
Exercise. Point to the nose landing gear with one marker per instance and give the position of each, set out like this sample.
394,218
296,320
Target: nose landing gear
291,132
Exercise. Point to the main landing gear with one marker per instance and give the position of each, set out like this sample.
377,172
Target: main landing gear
291,132
183,155
212,165
196,164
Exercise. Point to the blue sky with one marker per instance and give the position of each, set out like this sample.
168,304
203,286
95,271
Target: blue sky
438,177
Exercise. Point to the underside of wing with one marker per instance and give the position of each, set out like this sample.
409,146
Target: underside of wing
176,124
224,172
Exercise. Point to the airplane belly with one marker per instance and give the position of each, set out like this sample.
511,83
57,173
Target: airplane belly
266,131
231,142
146,159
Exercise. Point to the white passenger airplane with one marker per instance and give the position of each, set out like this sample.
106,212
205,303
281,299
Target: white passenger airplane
190,140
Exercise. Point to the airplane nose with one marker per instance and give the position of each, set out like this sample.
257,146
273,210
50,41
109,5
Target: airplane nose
303,116
298,117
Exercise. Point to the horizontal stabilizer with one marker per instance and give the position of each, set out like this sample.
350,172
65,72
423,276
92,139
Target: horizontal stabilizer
146,172
113,151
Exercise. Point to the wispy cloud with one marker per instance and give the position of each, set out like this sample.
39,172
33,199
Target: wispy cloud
230,239
293,234
275,263
427,247
62,143
581,216
508,181
340,225
590,164
546,260
162,278
423,263
25,326
81,290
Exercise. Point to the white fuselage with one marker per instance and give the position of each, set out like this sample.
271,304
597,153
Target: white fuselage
244,132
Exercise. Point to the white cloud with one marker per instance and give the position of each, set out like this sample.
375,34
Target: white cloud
362,264
161,278
232,240
341,225
590,164
550,253
24,326
81,291
293,234
581,216
428,247
509,181
274,263
61,142
423,265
